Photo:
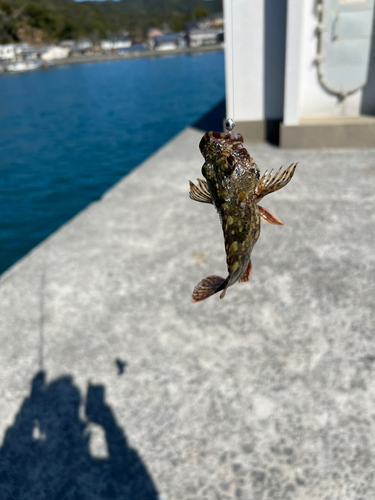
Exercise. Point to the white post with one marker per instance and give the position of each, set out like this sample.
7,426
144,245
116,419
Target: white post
294,39
244,59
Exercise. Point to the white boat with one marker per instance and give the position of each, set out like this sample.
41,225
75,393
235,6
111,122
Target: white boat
23,66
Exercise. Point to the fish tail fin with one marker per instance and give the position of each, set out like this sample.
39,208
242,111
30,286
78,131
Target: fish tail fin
209,286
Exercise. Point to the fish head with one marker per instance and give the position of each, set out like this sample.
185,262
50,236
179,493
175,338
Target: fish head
227,159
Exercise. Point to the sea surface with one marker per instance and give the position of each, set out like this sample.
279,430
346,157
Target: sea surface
70,132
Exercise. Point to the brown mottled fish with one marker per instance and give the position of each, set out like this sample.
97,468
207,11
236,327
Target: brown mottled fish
234,186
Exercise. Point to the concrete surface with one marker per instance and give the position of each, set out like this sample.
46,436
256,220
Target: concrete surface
113,385
352,132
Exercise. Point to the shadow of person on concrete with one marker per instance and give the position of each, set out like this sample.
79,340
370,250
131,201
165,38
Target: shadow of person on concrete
46,452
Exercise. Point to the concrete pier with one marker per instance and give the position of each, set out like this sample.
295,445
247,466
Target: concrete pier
113,385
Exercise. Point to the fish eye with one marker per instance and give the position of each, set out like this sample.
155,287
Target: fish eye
230,162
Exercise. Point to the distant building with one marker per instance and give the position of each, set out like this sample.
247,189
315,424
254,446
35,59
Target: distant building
198,33
26,52
153,32
171,41
121,43
7,52
199,37
116,44
17,51
83,45
67,43
106,45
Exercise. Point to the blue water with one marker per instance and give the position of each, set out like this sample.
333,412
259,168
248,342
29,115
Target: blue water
68,133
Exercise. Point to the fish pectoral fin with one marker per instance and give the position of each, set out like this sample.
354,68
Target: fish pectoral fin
268,217
246,275
269,183
200,192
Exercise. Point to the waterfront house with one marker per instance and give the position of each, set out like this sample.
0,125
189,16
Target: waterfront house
7,52
152,33
121,43
106,45
115,44
26,53
69,44
171,41
17,51
206,36
81,47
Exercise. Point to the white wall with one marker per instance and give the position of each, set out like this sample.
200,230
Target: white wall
305,97
244,51
258,45
315,102
293,58
274,78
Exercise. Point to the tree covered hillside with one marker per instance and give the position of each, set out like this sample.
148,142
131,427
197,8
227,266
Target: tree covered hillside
43,21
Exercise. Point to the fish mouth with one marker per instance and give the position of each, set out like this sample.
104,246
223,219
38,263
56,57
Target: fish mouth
221,137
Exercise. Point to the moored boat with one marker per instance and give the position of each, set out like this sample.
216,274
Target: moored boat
23,66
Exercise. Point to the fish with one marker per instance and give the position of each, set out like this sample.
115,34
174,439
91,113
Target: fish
233,184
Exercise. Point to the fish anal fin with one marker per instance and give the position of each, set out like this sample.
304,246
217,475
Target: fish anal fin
207,287
246,275
268,217
269,183
200,193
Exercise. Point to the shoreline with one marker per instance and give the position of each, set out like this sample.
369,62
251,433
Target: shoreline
136,55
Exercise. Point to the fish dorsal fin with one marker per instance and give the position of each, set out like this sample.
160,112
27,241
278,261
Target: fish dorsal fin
200,193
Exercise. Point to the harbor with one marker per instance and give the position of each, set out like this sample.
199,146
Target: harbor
79,59
197,37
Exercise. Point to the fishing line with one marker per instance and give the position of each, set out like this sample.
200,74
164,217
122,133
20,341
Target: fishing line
230,124
231,19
